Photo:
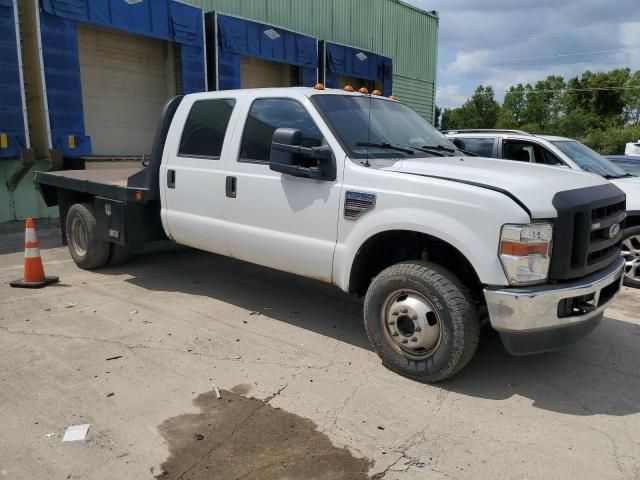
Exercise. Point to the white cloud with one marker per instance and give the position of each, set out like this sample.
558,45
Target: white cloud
630,34
468,62
450,96
505,42
630,37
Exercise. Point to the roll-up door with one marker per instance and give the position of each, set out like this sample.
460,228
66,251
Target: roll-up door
258,73
250,54
126,79
356,83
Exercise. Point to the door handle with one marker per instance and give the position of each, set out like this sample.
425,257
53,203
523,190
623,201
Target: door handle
231,187
171,179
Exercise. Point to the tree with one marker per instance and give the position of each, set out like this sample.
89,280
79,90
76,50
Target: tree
631,99
601,94
452,119
480,111
544,102
512,113
438,113
483,108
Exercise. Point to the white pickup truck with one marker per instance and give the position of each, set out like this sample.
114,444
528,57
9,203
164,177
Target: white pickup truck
361,192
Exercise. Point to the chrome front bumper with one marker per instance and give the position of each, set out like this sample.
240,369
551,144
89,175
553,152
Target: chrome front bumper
546,317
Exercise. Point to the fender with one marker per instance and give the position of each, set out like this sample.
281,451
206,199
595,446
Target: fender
481,254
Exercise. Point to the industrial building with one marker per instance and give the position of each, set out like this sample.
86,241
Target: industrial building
82,81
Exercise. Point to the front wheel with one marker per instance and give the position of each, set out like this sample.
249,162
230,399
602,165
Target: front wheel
631,254
421,321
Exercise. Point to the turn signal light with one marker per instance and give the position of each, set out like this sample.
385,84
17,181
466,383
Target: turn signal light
376,92
319,86
348,88
523,249
138,196
363,90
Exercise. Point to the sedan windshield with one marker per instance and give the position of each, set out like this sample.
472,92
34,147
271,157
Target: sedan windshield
370,127
588,160
631,168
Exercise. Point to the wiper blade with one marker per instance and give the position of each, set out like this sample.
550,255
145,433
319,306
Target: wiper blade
386,146
615,177
444,148
440,147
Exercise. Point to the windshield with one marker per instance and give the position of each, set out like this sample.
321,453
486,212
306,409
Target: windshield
368,127
588,160
631,168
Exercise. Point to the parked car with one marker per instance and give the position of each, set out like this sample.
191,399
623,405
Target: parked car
567,153
361,192
632,148
630,164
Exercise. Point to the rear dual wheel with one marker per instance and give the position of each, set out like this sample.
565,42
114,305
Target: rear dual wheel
421,321
87,249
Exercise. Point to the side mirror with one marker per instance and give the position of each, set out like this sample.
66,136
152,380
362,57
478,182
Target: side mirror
458,142
289,157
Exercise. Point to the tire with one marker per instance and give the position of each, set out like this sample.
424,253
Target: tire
119,254
87,250
430,300
631,254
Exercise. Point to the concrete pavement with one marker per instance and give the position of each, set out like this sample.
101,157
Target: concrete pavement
303,396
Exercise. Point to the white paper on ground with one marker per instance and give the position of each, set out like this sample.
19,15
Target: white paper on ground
76,432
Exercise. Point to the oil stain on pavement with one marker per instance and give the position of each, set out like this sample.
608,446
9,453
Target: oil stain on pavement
237,437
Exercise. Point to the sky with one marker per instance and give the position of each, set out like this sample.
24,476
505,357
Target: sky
505,42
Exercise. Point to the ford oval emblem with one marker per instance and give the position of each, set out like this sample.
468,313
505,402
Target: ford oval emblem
614,230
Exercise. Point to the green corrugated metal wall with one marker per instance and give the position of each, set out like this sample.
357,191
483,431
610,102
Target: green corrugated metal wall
390,27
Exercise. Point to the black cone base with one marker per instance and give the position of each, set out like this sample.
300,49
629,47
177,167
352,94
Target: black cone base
22,284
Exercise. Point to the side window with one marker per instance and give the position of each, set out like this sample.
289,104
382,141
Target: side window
267,115
519,151
545,157
479,146
205,128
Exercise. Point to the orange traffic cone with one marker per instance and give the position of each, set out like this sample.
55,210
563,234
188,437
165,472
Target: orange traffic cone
33,270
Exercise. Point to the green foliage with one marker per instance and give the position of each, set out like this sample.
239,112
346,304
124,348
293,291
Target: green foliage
612,140
632,100
438,113
480,111
512,113
601,108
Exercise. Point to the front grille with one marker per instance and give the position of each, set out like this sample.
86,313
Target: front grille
588,231
607,211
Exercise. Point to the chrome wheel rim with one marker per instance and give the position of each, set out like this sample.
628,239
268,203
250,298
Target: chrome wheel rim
411,324
631,254
79,236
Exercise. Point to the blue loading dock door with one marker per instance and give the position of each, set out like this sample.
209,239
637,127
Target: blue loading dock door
161,19
231,38
342,61
14,137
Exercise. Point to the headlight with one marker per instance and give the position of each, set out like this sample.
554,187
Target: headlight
525,252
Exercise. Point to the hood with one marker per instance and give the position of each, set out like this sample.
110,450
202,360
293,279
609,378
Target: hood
531,185
631,187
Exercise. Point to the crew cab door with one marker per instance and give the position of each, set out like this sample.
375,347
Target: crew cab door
275,219
192,175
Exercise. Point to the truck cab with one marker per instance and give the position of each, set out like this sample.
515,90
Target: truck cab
360,191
